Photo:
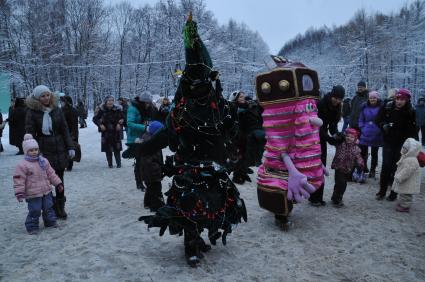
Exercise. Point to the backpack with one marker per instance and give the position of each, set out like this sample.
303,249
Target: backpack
421,159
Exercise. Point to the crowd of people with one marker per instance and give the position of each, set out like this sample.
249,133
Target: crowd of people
44,127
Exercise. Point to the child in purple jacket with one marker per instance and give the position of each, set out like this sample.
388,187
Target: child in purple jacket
32,181
347,157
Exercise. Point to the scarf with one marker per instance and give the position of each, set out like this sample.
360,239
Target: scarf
41,161
47,121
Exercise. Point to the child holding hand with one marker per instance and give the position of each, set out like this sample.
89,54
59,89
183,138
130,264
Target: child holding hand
347,157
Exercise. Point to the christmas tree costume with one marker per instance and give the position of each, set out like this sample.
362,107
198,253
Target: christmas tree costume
198,130
292,168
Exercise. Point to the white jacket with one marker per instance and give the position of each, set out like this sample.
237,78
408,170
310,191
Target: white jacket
407,179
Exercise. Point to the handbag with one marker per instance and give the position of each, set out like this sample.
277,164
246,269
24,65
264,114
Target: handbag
77,157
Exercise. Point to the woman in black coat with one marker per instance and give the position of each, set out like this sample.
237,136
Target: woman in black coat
110,119
397,121
17,124
71,116
46,122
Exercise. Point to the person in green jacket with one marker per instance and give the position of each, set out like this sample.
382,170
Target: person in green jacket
140,112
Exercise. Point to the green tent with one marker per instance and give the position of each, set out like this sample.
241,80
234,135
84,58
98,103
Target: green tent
4,93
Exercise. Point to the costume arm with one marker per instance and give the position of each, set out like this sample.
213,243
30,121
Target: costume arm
298,187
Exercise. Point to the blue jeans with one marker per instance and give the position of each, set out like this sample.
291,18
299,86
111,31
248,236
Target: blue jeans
35,206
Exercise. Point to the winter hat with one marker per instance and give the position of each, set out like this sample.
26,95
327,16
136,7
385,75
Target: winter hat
154,127
39,90
361,84
234,96
146,97
338,91
352,131
108,98
29,143
374,94
403,93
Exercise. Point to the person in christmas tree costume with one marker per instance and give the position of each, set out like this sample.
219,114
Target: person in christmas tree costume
198,129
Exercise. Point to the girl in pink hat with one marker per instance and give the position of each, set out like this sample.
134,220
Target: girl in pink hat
32,181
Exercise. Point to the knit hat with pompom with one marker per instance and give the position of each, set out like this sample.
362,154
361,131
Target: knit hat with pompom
29,143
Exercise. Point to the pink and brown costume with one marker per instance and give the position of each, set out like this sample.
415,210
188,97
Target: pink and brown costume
292,167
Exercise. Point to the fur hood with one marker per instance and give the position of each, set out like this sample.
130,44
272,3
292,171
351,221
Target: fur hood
36,105
115,107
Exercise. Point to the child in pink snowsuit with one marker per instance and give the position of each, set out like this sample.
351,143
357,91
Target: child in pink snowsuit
347,157
32,181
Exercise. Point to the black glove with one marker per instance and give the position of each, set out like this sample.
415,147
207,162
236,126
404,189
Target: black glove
339,136
386,128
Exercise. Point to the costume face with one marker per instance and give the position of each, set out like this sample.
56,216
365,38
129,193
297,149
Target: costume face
45,98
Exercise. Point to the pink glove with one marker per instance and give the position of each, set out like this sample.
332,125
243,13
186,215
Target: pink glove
298,187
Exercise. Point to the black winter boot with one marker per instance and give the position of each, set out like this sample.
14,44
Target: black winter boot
60,208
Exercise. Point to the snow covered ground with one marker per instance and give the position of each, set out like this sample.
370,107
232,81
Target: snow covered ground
103,241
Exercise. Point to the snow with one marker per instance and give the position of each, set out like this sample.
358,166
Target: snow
103,241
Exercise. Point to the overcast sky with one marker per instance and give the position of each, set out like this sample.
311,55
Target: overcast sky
281,20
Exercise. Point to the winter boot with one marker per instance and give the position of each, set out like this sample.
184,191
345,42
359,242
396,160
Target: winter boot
117,158
60,208
402,209
392,197
109,159
282,222
191,249
372,173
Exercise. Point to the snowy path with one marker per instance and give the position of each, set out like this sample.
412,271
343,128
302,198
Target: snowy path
103,241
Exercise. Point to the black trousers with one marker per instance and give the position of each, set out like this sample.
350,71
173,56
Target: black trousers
60,173
117,156
137,173
422,129
317,196
390,156
341,179
365,154
153,195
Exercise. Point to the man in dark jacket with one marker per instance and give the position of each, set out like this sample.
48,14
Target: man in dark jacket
82,114
420,118
71,117
251,137
150,168
397,121
17,124
329,111
356,104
